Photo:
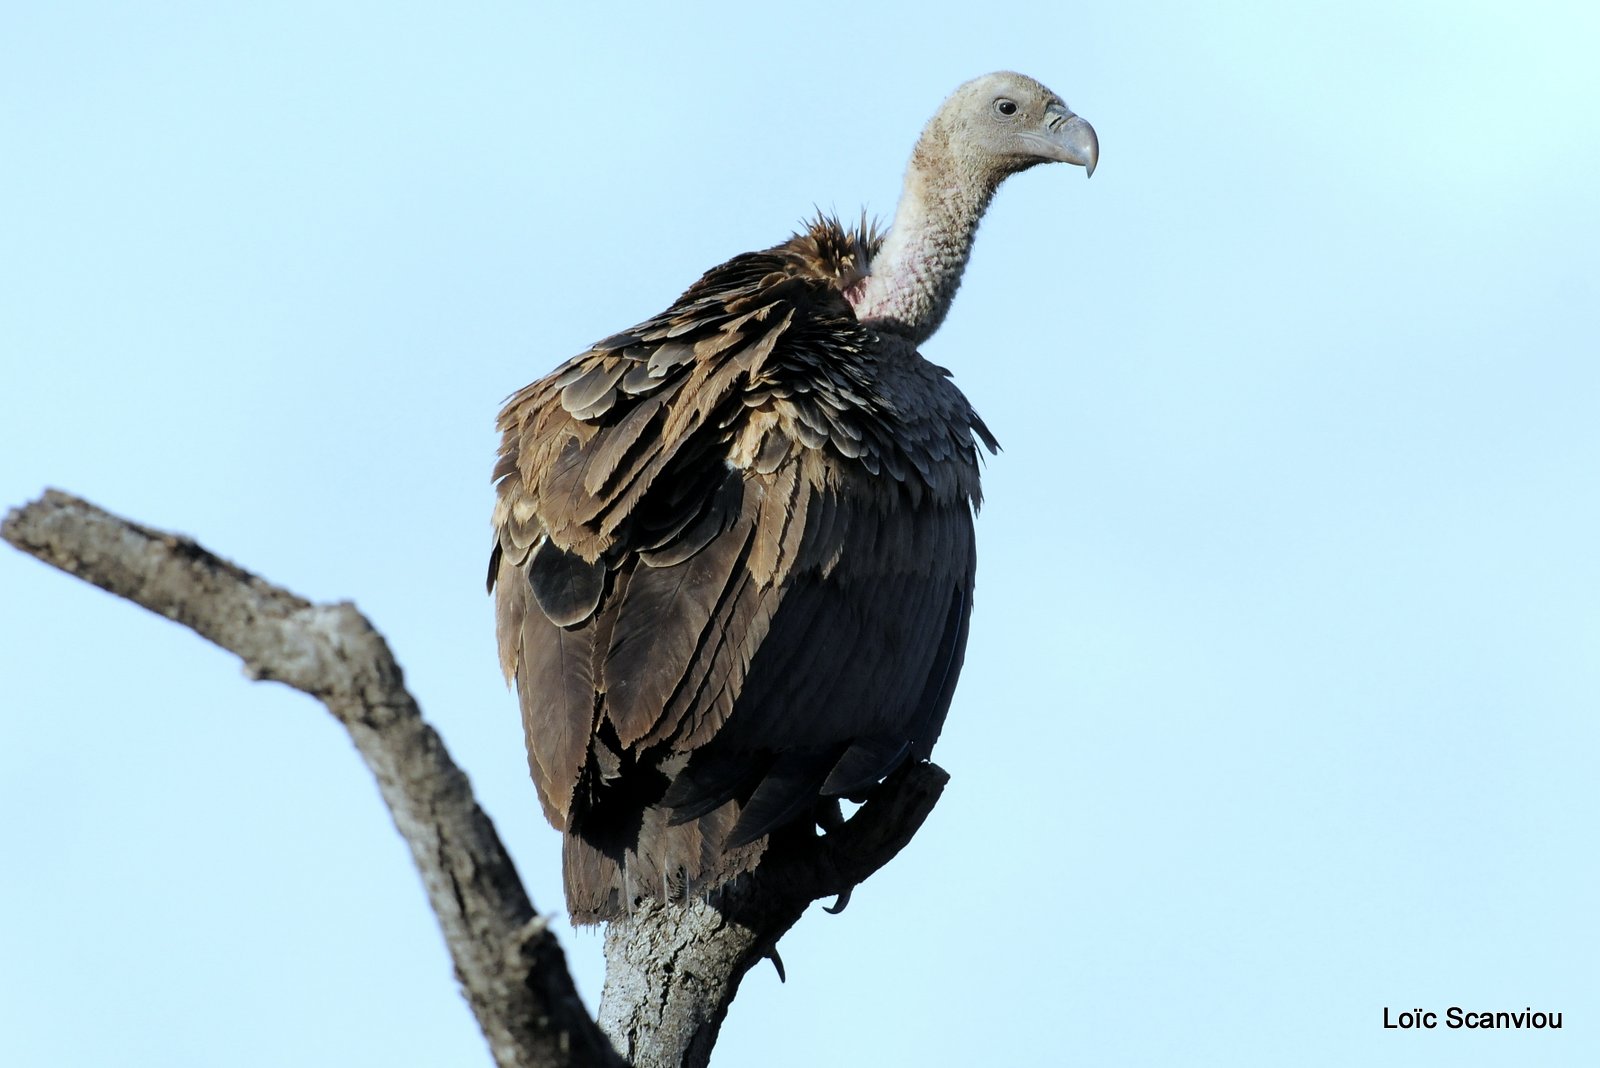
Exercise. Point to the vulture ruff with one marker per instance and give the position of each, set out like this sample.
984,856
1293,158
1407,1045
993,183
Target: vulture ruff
733,559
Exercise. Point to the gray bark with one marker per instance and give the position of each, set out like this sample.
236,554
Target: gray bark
671,971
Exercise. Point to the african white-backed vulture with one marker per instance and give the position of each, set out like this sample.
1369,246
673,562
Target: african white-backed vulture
734,549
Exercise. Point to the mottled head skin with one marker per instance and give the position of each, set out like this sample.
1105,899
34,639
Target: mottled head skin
989,129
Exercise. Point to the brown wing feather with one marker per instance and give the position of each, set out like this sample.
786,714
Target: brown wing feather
558,713
663,620
728,545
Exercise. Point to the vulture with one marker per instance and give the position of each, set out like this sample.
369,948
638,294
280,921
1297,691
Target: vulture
733,558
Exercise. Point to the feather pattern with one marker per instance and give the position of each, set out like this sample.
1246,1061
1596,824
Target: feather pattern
725,538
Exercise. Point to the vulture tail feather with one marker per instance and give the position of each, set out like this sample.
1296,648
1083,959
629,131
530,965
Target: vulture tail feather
790,788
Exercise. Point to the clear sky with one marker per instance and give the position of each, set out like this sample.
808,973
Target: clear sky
1281,700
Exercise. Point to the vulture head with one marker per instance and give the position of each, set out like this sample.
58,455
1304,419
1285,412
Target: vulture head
987,130
999,124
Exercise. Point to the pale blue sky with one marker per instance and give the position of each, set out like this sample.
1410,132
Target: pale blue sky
1280,705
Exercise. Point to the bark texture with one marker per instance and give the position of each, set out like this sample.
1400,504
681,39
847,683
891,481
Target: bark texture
511,968
672,971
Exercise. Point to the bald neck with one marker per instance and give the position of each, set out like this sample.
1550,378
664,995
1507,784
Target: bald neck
916,273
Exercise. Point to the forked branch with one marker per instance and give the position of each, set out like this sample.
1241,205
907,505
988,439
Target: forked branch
671,972
510,967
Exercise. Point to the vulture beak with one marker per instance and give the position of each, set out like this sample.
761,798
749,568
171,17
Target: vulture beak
1068,139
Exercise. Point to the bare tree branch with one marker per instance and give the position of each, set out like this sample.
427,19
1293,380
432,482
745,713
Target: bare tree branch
672,971
510,967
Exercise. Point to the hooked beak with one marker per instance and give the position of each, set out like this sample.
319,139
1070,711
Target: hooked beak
1069,139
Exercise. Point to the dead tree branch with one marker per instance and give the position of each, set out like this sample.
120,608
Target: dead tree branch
671,971
510,967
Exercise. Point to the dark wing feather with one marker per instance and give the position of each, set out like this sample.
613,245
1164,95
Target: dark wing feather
865,763
788,790
661,623
857,670
558,714
567,586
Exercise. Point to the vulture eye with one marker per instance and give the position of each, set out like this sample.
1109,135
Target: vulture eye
1006,107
